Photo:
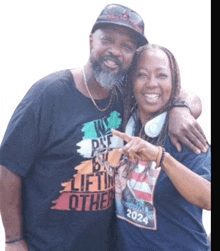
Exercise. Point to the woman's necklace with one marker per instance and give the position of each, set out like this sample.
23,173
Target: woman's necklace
101,110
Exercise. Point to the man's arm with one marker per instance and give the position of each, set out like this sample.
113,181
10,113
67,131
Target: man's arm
193,101
183,127
10,208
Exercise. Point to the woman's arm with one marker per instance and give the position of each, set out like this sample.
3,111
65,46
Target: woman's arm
193,187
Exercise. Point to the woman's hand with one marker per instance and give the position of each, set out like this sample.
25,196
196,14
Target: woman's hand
137,148
183,128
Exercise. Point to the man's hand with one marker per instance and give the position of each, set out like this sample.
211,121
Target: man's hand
17,246
183,128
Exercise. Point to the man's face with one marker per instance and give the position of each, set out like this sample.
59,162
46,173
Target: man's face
112,51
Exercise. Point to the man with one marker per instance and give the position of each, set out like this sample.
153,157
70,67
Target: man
55,194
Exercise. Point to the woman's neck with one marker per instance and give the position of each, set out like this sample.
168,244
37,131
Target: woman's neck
144,117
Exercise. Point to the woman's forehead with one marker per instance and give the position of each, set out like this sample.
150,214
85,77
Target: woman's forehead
154,57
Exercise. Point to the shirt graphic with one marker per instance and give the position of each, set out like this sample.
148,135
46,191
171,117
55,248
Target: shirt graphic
92,187
135,193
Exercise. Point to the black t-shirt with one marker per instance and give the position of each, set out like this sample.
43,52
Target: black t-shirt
53,141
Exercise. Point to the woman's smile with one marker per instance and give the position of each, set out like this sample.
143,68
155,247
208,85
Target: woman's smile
151,97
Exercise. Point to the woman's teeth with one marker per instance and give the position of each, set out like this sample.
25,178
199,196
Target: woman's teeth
151,96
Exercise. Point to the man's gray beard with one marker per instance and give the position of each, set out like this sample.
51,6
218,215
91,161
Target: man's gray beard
107,79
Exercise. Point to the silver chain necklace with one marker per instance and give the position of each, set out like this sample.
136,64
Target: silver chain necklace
87,88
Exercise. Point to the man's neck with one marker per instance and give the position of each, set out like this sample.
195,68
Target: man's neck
96,90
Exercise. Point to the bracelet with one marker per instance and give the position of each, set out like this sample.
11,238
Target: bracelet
162,157
158,159
181,104
15,240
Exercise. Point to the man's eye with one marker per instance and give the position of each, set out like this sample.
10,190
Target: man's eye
128,48
106,41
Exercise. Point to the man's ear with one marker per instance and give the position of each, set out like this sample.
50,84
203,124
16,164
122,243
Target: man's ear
91,41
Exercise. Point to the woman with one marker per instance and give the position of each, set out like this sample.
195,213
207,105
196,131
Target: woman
169,189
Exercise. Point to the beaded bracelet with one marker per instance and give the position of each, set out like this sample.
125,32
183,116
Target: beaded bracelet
160,152
160,156
15,240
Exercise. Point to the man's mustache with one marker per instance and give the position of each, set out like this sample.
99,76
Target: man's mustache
112,58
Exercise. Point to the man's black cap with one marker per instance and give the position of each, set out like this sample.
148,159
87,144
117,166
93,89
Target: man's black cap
123,16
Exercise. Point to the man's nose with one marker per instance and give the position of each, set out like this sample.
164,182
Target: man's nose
115,50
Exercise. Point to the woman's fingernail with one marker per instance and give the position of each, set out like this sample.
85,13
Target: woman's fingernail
198,151
204,150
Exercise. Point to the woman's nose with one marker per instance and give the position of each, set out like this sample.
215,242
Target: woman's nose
152,82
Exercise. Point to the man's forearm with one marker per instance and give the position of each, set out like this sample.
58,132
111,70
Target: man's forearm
183,126
193,101
10,204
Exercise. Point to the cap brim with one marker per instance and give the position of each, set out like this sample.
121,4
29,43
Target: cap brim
102,24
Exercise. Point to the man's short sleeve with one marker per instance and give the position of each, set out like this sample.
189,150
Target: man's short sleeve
20,145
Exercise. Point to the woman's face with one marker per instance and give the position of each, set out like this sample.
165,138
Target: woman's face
152,82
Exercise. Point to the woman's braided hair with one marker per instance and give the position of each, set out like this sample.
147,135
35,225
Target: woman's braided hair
130,106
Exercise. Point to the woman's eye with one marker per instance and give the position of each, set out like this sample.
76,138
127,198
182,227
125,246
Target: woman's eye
142,75
162,75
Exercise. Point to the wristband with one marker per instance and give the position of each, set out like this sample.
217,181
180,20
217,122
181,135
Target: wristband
15,240
181,104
